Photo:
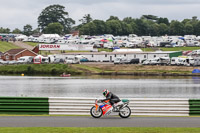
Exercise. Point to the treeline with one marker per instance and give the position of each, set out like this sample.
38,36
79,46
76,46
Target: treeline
54,19
147,25
27,30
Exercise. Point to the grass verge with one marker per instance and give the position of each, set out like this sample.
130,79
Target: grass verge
171,49
98,130
32,43
38,69
5,46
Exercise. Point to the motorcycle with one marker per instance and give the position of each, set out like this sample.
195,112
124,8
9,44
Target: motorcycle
105,108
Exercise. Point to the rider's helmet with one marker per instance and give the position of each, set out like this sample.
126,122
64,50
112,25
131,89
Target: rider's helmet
105,92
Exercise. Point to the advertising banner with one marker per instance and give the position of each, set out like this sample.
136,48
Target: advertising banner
73,47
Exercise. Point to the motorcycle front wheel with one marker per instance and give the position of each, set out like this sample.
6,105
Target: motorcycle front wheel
96,113
125,112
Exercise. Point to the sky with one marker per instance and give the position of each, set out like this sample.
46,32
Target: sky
18,13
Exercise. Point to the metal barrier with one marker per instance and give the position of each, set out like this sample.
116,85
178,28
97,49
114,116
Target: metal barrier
194,106
24,105
139,106
81,106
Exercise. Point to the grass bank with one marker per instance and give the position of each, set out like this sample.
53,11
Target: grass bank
97,130
96,69
5,46
171,49
38,69
130,69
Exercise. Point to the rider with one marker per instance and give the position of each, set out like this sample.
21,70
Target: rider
112,97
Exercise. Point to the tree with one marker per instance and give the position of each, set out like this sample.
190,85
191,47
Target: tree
142,27
113,18
113,27
176,28
128,20
100,27
155,29
185,21
36,31
86,19
163,29
134,28
150,17
126,28
53,14
188,29
54,28
16,31
163,20
197,28
27,30
88,29
4,30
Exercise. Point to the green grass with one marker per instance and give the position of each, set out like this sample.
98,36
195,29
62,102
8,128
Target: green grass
32,43
38,69
103,49
91,69
99,70
172,49
97,130
5,46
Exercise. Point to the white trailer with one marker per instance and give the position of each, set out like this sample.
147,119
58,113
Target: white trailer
25,59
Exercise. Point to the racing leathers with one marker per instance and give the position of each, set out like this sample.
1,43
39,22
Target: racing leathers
113,98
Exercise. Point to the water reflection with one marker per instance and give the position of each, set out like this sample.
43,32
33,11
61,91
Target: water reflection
92,86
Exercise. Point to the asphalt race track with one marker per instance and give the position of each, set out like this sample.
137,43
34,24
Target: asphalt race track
87,121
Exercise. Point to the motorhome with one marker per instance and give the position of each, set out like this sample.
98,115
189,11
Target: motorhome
174,61
25,59
196,61
72,60
108,45
182,61
160,61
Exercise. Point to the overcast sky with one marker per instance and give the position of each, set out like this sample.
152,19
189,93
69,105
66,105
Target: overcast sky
17,13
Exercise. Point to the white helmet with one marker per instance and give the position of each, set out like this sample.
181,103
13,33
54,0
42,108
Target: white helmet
105,92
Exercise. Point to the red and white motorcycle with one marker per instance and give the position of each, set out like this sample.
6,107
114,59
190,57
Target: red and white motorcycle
105,108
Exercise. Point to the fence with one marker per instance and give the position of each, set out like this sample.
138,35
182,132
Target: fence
24,105
81,106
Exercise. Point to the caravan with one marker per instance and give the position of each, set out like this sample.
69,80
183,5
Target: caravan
40,59
182,61
160,61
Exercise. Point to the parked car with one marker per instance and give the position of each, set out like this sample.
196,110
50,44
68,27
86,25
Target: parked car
146,62
160,61
84,60
72,60
12,62
3,62
25,59
134,61
59,60
121,60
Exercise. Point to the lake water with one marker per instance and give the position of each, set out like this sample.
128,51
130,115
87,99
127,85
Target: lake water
92,86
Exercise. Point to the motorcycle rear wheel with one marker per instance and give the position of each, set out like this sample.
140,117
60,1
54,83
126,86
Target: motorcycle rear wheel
96,114
125,112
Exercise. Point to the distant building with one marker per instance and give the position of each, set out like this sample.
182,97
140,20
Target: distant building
75,33
14,54
111,56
